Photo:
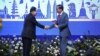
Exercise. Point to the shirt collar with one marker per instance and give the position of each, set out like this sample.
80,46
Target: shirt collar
60,13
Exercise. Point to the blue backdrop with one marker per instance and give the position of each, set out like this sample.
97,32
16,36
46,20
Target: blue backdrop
76,28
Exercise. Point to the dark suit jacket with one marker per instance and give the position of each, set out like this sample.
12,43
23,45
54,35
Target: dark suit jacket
62,22
29,29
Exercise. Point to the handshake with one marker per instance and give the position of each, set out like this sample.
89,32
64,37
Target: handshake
48,27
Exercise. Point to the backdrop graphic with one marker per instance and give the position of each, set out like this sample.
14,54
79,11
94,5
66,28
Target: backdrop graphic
46,9
84,13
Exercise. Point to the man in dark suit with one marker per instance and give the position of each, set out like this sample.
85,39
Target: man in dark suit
62,24
29,31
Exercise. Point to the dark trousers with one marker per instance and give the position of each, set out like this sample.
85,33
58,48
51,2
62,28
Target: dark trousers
27,43
63,46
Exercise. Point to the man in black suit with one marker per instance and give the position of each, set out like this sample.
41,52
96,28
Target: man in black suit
29,31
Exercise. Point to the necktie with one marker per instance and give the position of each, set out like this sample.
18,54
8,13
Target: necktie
59,16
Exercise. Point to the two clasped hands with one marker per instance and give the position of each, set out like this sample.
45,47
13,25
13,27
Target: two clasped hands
55,25
48,27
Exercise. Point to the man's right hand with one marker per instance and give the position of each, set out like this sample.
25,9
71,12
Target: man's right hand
47,27
56,26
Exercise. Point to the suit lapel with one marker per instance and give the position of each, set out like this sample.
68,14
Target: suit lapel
62,15
60,20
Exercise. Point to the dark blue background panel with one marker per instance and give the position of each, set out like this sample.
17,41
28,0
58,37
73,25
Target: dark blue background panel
76,28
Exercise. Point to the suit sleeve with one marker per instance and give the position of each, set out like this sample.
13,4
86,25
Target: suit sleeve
66,22
52,26
38,24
